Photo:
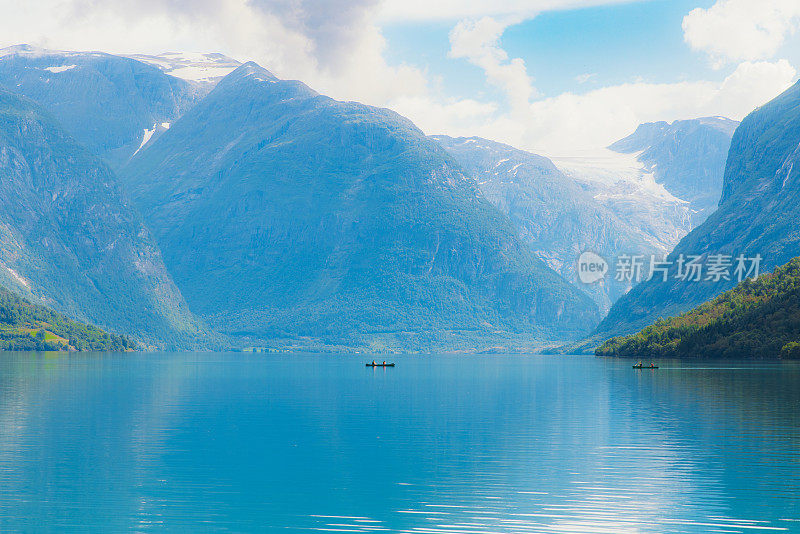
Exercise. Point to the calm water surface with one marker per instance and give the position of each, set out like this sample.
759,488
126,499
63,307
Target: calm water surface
438,444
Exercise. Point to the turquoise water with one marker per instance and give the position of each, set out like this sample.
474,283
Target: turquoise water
438,444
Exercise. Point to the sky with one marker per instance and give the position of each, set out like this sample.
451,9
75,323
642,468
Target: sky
552,76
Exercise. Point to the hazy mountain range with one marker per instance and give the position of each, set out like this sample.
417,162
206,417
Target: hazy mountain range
282,217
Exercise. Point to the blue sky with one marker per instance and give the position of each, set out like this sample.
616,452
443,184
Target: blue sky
573,49
615,44
594,48
551,76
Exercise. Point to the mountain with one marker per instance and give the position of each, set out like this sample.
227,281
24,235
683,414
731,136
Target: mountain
757,216
26,326
70,239
686,157
757,319
284,214
114,105
553,214
639,197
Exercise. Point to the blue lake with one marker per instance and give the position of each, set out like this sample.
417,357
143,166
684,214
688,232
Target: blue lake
438,444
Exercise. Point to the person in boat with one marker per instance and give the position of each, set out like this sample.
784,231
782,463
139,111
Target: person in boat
373,362
638,364
652,364
384,362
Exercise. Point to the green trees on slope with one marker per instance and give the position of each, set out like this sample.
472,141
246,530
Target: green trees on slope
26,326
757,319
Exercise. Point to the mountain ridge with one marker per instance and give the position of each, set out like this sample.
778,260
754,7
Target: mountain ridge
110,103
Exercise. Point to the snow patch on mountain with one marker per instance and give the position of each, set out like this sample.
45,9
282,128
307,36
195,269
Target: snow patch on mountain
62,68
611,169
628,188
193,67
148,133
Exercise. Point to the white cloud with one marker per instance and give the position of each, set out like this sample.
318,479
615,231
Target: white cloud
479,42
333,45
568,122
455,117
742,29
414,10
599,117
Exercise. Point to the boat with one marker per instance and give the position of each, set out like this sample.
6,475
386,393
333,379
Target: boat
645,367
380,365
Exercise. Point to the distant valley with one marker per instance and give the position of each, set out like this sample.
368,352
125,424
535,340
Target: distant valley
639,197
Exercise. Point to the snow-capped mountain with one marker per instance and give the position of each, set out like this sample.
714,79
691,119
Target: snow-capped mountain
556,216
203,69
686,157
639,197
114,105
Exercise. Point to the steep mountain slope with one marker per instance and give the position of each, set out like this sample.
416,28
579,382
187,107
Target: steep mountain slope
112,104
757,215
68,237
757,319
26,326
686,157
553,214
283,213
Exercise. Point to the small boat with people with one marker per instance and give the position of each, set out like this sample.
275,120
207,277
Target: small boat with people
640,365
376,364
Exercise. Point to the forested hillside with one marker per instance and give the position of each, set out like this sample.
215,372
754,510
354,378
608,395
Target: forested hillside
757,319
26,326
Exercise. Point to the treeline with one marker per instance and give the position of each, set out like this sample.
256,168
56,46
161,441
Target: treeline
26,326
756,319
